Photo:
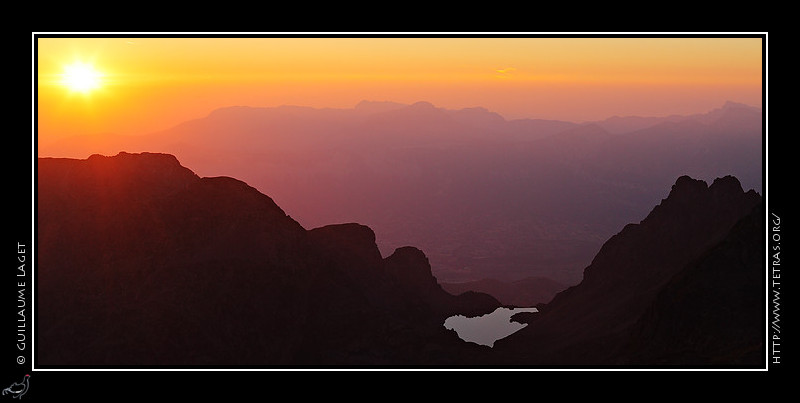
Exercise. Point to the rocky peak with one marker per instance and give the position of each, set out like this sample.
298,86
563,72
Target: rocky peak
142,174
694,198
410,267
351,244
726,186
687,189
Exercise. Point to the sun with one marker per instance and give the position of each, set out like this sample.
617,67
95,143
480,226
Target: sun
81,77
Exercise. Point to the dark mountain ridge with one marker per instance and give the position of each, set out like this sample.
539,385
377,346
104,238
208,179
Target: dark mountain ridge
142,262
709,313
633,288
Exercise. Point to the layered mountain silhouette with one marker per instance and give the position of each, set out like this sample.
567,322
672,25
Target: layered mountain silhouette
682,287
142,262
627,124
483,196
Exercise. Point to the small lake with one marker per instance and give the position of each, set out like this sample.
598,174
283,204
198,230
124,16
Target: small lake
488,328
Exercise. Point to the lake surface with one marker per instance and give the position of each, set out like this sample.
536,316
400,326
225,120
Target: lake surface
489,328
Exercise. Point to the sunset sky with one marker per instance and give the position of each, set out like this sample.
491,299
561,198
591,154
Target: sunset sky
106,86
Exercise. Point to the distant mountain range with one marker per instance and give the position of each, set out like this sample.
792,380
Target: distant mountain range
485,197
627,124
526,292
141,262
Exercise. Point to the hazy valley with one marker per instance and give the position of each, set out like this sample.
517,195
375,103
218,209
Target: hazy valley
144,263
297,236
483,196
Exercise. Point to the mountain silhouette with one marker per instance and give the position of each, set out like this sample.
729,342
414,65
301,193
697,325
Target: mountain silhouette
656,292
627,124
709,312
142,262
541,196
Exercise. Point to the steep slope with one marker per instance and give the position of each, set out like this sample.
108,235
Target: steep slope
587,324
142,262
709,313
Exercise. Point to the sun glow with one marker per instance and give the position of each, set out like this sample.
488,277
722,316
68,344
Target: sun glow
97,84
81,77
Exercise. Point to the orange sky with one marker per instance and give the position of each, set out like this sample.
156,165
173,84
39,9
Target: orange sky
149,84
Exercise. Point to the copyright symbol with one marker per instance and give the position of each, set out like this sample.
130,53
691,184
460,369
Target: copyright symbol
20,360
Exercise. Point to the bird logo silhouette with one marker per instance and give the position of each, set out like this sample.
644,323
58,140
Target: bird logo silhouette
18,388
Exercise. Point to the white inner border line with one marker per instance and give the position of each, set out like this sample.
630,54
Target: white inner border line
34,155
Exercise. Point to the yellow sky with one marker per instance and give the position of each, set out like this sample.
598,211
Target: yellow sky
150,84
